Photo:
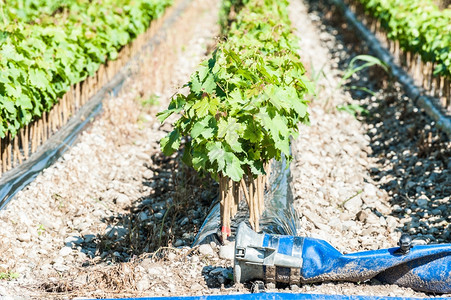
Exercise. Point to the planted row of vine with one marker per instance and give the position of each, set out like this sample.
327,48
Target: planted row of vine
419,26
418,33
28,11
47,49
244,105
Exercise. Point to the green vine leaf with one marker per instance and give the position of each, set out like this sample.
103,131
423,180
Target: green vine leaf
171,143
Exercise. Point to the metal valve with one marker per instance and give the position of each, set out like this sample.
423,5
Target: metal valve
405,243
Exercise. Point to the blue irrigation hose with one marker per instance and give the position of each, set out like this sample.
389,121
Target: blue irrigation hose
276,296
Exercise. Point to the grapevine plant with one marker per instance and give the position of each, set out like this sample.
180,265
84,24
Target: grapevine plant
419,26
47,46
243,106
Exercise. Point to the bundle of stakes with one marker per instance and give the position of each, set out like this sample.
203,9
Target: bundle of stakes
231,192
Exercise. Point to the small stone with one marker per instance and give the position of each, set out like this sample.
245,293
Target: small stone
116,231
345,216
197,287
382,221
397,208
178,243
294,288
65,251
154,271
99,213
142,216
184,221
58,260
213,246
82,279
159,216
391,222
217,271
362,216
206,249
171,256
372,219
24,237
227,251
228,273
122,199
143,284
205,195
270,286
41,251
18,252
417,242
353,204
349,225
144,156
73,240
60,267
89,238
172,288
146,201
336,223
410,184
369,194
158,206
47,224
422,201
148,174
370,190
382,208
436,212
188,235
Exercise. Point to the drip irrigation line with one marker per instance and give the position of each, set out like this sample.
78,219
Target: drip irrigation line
18,178
443,122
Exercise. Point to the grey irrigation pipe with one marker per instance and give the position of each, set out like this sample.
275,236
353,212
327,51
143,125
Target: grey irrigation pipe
15,180
442,122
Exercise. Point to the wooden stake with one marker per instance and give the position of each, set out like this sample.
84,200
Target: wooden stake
222,203
230,206
408,61
3,153
44,127
8,153
22,141
16,150
32,136
77,95
1,157
447,92
26,142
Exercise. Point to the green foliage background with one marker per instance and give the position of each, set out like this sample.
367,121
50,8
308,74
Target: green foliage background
419,26
46,46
